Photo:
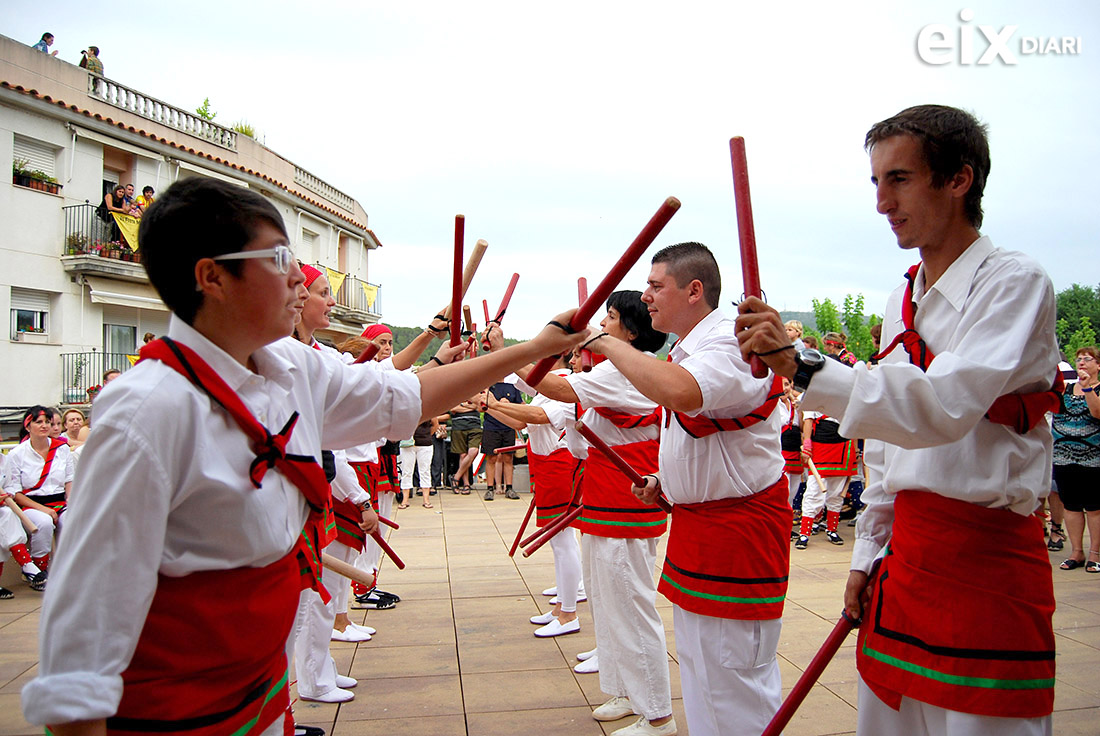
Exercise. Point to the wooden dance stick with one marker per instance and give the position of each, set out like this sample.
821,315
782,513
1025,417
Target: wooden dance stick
377,537
550,531
617,460
368,354
802,688
28,525
456,280
813,470
750,268
523,526
468,273
348,571
512,448
617,273
468,317
503,308
387,522
582,295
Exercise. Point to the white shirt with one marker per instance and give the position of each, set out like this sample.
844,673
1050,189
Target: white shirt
604,386
989,320
545,438
168,492
24,468
724,464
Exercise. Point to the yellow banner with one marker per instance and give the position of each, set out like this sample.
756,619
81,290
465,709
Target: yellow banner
335,280
129,227
371,292
133,359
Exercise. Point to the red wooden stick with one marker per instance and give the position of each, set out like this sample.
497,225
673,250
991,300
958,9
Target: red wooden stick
596,299
377,536
513,448
582,294
456,280
552,530
388,523
368,354
526,518
485,306
507,298
617,460
802,688
750,269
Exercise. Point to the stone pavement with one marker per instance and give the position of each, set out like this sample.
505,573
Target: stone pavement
457,658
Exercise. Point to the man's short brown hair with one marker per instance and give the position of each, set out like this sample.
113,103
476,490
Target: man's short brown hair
687,262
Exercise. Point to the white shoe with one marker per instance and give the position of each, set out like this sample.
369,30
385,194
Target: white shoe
336,695
557,628
588,666
543,618
365,629
346,682
350,635
641,727
586,655
551,591
613,710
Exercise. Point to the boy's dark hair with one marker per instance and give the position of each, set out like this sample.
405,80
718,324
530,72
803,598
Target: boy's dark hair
32,415
950,139
147,190
634,316
687,262
45,36
193,219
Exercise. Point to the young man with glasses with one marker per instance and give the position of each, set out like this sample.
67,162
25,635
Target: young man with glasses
204,485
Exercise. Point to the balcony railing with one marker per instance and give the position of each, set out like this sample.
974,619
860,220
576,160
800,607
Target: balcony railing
153,109
321,187
83,371
353,296
86,234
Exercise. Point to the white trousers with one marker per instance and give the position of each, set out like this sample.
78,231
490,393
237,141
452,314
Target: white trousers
567,568
12,533
41,540
422,457
618,577
915,718
313,665
729,673
832,497
368,559
793,482
338,586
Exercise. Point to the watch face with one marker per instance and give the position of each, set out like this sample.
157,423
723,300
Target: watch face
812,359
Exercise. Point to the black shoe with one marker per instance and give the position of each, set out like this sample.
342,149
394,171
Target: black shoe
511,494
6,594
834,538
308,730
803,540
36,581
384,594
489,495
374,602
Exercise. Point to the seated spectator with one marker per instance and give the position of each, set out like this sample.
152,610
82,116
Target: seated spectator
836,345
44,44
74,423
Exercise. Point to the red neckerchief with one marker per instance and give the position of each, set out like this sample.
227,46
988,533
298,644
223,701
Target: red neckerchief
1021,412
301,470
54,444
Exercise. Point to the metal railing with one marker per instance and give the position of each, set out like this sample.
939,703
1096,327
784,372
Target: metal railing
83,371
153,109
85,233
353,296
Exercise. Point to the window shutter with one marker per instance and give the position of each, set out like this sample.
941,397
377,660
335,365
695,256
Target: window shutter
30,300
40,156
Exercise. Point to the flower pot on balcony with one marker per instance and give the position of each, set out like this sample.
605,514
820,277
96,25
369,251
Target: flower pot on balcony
37,337
75,396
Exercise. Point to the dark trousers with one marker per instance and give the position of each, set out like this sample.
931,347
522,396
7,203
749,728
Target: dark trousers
439,462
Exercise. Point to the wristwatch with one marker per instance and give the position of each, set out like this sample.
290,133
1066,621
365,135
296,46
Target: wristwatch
809,362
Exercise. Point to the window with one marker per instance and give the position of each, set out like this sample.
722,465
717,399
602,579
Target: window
35,155
30,311
305,250
118,342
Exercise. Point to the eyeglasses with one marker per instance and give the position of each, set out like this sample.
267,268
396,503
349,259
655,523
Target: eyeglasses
280,253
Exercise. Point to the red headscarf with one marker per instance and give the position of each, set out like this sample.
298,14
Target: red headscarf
375,330
311,274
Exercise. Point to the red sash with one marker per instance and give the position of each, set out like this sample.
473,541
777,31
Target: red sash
713,567
960,615
348,518
1021,412
367,475
303,471
623,420
552,480
700,426
610,508
47,464
196,670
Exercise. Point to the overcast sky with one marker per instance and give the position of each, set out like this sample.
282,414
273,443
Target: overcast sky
558,129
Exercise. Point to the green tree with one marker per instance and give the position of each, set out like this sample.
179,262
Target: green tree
1071,342
826,317
204,111
849,320
1079,301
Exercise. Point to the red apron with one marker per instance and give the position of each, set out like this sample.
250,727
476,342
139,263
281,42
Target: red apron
960,615
348,517
833,459
552,480
730,558
610,508
196,670
367,474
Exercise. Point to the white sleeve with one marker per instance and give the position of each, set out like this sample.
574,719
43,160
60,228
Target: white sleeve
345,486
726,382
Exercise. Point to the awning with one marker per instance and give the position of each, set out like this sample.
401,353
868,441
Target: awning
209,173
115,143
124,294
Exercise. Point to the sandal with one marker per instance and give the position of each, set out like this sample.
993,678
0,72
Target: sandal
402,505
1092,566
1072,564
1056,545
427,504
466,491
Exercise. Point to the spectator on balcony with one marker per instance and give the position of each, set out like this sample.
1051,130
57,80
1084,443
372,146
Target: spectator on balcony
110,374
143,201
113,201
91,62
44,44
148,338
131,201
